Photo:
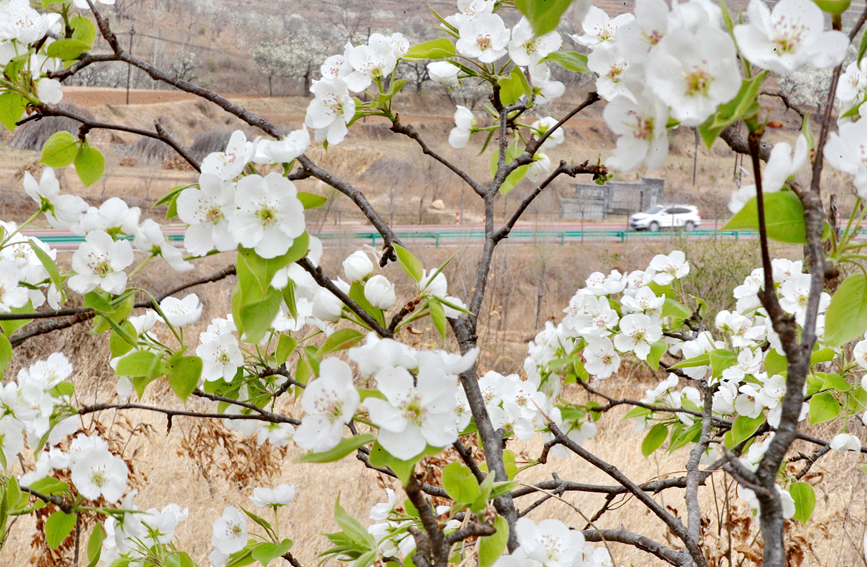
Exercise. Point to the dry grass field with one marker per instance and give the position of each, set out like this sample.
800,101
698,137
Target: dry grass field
206,467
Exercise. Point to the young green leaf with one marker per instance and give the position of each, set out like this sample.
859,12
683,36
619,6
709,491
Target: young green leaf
184,374
493,546
58,526
784,217
60,150
823,407
340,340
441,48
571,60
12,106
410,264
544,15
345,447
846,319
805,500
654,439
744,426
460,483
89,165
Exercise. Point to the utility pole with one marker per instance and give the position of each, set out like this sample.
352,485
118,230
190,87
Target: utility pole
128,65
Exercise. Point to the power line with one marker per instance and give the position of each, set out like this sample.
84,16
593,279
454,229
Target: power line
186,44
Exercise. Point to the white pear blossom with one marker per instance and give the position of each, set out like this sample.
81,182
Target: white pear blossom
638,333
284,150
11,438
637,37
789,36
269,217
326,306
540,167
99,262
599,28
846,151
694,73
545,88
846,442
640,124
95,471
221,357
208,210
550,542
443,73
330,403
278,496
380,292
149,238
610,66
229,164
465,122
331,111
335,67
113,216
12,296
668,268
182,312
644,301
278,434
859,354
413,415
601,360
357,266
483,37
374,61
525,48
229,533
61,211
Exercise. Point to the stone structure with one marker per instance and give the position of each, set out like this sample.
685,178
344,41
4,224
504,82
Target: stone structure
597,202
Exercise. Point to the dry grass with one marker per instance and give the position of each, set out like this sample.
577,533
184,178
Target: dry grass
208,467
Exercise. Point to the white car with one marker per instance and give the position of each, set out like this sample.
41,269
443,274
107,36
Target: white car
686,217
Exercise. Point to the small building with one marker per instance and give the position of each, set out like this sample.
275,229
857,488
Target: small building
615,198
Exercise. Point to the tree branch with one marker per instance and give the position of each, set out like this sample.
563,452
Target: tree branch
262,415
638,541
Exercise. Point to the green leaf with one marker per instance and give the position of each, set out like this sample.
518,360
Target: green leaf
184,373
48,263
514,87
460,483
60,150
430,50
340,340
637,412
493,546
356,293
410,264
672,308
345,447
743,105
544,15
352,527
94,545
657,349
255,273
58,526
836,382
311,200
67,49
700,360
63,389
142,363
438,316
97,302
285,346
10,327
834,7
775,363
379,457
744,426
256,318
89,165
50,486
12,106
266,552
805,126
5,354
823,407
654,439
784,218
83,30
805,500
720,359
177,559
571,60
846,319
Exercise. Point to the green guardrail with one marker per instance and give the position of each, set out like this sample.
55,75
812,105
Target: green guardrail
450,236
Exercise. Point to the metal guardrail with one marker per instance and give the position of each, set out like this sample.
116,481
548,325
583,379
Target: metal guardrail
452,238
